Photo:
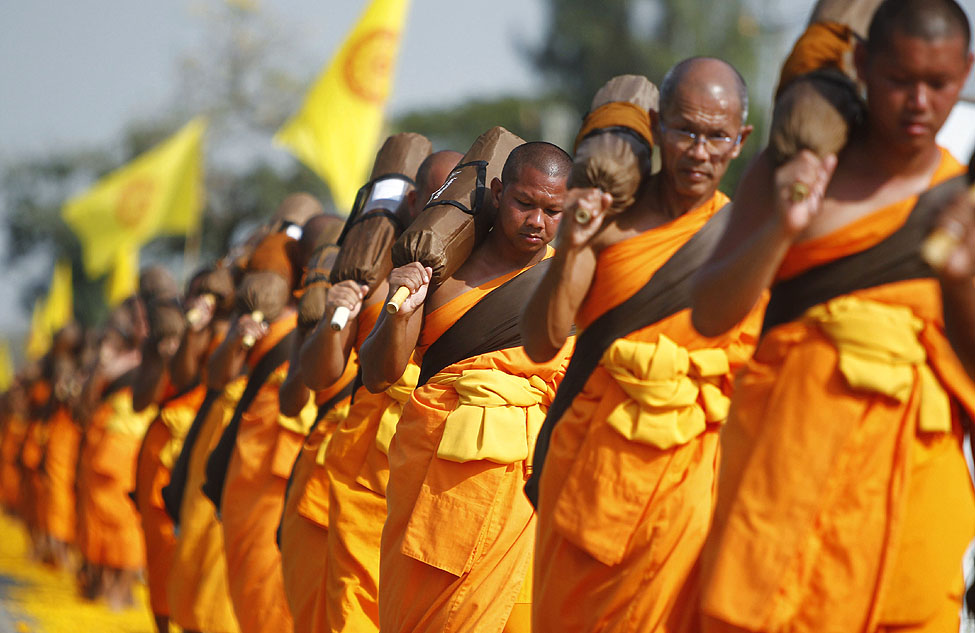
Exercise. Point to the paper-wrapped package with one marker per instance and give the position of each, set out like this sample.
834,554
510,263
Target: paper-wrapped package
818,101
614,145
461,213
379,214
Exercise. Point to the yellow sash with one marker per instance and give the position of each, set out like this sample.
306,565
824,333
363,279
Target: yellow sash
673,393
124,419
399,393
879,352
497,418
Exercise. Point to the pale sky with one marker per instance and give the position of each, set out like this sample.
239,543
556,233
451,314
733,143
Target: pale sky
75,73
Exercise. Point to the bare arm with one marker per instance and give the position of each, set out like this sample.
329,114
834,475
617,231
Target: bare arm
150,377
325,353
764,223
548,316
228,359
186,364
958,278
293,394
389,347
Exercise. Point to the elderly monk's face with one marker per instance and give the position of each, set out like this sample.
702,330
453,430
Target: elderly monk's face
912,85
699,133
529,209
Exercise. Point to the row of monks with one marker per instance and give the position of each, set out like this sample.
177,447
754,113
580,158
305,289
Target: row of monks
692,415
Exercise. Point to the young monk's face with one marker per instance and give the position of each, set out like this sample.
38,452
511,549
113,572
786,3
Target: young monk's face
912,85
529,209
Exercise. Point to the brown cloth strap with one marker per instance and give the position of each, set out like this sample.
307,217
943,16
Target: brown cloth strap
219,460
667,293
172,493
617,114
896,258
492,324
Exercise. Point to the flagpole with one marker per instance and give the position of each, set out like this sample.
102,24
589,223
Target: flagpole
191,253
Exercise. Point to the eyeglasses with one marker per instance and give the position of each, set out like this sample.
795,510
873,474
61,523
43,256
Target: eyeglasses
714,144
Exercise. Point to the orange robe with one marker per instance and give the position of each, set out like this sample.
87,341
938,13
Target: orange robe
160,447
458,539
304,522
15,428
60,465
197,587
627,489
846,508
110,530
31,477
253,498
356,471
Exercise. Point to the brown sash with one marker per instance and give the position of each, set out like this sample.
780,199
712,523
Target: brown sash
896,258
667,293
492,324
172,493
219,460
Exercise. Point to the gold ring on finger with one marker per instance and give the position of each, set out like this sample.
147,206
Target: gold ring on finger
799,191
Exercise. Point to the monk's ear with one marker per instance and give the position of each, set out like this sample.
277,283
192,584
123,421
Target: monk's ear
496,188
411,203
745,132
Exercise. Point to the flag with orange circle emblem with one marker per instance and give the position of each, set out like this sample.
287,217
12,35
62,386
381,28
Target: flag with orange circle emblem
158,193
337,130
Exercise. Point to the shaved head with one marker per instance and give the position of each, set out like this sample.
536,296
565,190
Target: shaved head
709,75
928,20
547,158
297,208
430,176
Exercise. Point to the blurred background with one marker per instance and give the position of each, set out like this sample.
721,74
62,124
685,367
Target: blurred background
85,86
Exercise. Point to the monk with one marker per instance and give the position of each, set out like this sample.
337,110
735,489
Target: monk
61,450
457,544
350,481
197,587
265,445
161,446
844,502
626,489
110,535
302,535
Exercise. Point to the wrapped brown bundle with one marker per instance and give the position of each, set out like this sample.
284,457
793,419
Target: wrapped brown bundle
311,304
269,279
818,100
613,147
293,212
215,286
377,217
459,215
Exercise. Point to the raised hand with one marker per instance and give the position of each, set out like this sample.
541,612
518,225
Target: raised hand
416,277
800,185
582,202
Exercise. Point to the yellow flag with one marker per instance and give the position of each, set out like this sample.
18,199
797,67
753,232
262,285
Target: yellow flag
52,312
123,280
39,337
159,193
336,132
6,366
59,304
